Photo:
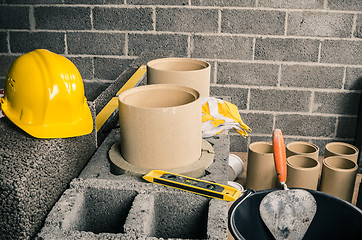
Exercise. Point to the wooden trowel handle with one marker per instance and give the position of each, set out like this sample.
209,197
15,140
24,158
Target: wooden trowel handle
280,158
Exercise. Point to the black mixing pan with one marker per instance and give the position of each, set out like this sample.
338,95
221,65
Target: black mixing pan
334,219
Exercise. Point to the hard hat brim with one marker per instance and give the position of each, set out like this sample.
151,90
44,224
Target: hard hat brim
81,127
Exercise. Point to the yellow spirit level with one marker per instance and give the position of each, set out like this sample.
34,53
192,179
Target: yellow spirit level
201,187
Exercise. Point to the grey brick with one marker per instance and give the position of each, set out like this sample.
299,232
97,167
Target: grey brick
358,31
253,21
33,1
341,51
337,103
52,41
6,62
247,73
158,2
84,1
3,42
352,5
346,127
84,65
320,24
94,88
138,43
312,76
110,68
279,100
238,143
222,3
260,123
261,138
186,20
123,18
238,96
353,79
306,125
95,43
62,18
292,4
12,17
2,82
222,47
298,50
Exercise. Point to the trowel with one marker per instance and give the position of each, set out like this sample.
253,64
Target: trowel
287,213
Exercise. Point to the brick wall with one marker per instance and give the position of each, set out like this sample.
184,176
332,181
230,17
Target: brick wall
288,64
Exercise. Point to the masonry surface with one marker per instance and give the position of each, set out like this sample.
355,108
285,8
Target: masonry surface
288,64
292,65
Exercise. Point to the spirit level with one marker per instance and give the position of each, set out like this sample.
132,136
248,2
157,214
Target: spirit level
201,187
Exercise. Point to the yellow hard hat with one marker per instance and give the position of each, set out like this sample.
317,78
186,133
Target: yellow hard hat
44,96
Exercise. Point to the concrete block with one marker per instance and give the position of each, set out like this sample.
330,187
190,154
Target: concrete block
337,103
84,65
263,138
34,1
239,96
344,126
280,100
312,76
2,82
306,125
238,143
358,31
157,2
250,74
94,88
320,24
138,43
106,209
110,68
292,4
133,19
52,41
6,62
34,174
222,47
341,51
184,19
353,79
352,5
62,18
260,123
292,50
95,43
222,3
3,42
14,17
83,2
253,21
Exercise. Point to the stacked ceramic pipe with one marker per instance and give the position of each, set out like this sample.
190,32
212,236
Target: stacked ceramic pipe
160,123
336,176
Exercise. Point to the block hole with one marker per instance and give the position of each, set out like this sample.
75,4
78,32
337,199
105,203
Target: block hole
105,210
180,216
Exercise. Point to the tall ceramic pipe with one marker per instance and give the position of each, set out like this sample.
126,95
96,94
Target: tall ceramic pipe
160,126
182,71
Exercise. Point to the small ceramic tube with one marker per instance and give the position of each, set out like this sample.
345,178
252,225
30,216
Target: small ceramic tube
341,149
338,177
303,148
303,172
261,172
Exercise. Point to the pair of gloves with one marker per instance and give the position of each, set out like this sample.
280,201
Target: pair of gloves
218,115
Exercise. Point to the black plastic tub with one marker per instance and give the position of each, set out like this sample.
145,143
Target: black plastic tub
334,219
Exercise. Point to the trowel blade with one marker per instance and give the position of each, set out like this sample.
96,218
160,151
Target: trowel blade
288,213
